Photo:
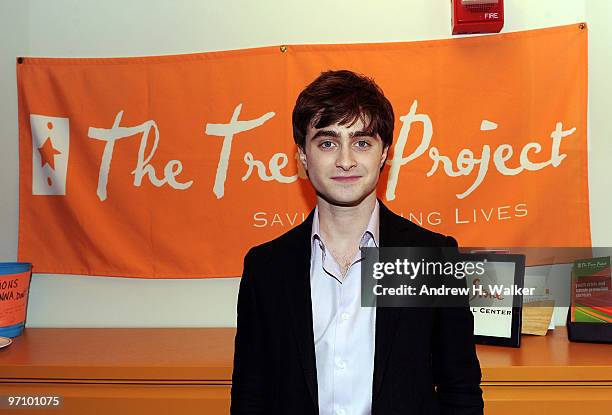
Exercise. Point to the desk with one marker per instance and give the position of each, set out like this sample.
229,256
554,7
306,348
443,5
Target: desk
188,371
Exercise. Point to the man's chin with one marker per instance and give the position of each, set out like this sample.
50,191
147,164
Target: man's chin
344,201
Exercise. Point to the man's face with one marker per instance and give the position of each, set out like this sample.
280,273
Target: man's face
343,162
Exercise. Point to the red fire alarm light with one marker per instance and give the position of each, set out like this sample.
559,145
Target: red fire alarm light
477,16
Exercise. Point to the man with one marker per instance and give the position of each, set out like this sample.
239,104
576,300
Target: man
303,343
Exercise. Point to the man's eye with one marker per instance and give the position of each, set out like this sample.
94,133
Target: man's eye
326,144
363,144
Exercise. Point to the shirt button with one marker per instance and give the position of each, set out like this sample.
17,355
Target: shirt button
340,411
341,364
345,316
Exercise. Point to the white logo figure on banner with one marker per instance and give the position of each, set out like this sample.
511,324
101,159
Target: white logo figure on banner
50,143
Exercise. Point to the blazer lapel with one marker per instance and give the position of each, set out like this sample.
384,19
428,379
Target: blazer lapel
390,234
298,284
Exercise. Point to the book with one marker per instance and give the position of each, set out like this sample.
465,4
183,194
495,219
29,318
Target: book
591,291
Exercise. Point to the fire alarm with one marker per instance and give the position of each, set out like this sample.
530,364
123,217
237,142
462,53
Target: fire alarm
477,16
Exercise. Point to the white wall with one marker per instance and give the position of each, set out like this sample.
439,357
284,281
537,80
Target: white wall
90,28
599,18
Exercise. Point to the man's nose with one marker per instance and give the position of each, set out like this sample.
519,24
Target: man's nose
346,159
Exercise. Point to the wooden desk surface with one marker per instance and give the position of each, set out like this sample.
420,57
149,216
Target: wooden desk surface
204,355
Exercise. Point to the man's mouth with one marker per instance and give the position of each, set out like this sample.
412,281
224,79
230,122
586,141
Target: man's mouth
346,179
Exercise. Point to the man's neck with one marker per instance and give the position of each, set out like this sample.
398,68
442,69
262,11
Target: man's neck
343,226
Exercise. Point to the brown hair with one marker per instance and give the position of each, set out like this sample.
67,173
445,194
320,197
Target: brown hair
343,97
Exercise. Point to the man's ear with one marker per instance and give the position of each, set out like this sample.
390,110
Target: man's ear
302,157
383,156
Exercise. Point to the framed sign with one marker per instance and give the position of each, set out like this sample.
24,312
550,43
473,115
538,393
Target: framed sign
496,298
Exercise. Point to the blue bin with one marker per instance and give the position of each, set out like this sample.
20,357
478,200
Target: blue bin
15,280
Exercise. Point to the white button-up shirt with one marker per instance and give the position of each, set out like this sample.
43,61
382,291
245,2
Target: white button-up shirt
343,330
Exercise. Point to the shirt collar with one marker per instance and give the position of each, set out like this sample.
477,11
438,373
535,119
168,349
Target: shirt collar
372,230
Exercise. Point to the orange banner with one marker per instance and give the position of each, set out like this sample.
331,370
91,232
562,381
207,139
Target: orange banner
173,166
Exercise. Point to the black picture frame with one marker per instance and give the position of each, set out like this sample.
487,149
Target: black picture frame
517,301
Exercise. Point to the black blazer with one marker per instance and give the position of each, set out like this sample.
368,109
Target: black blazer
425,360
